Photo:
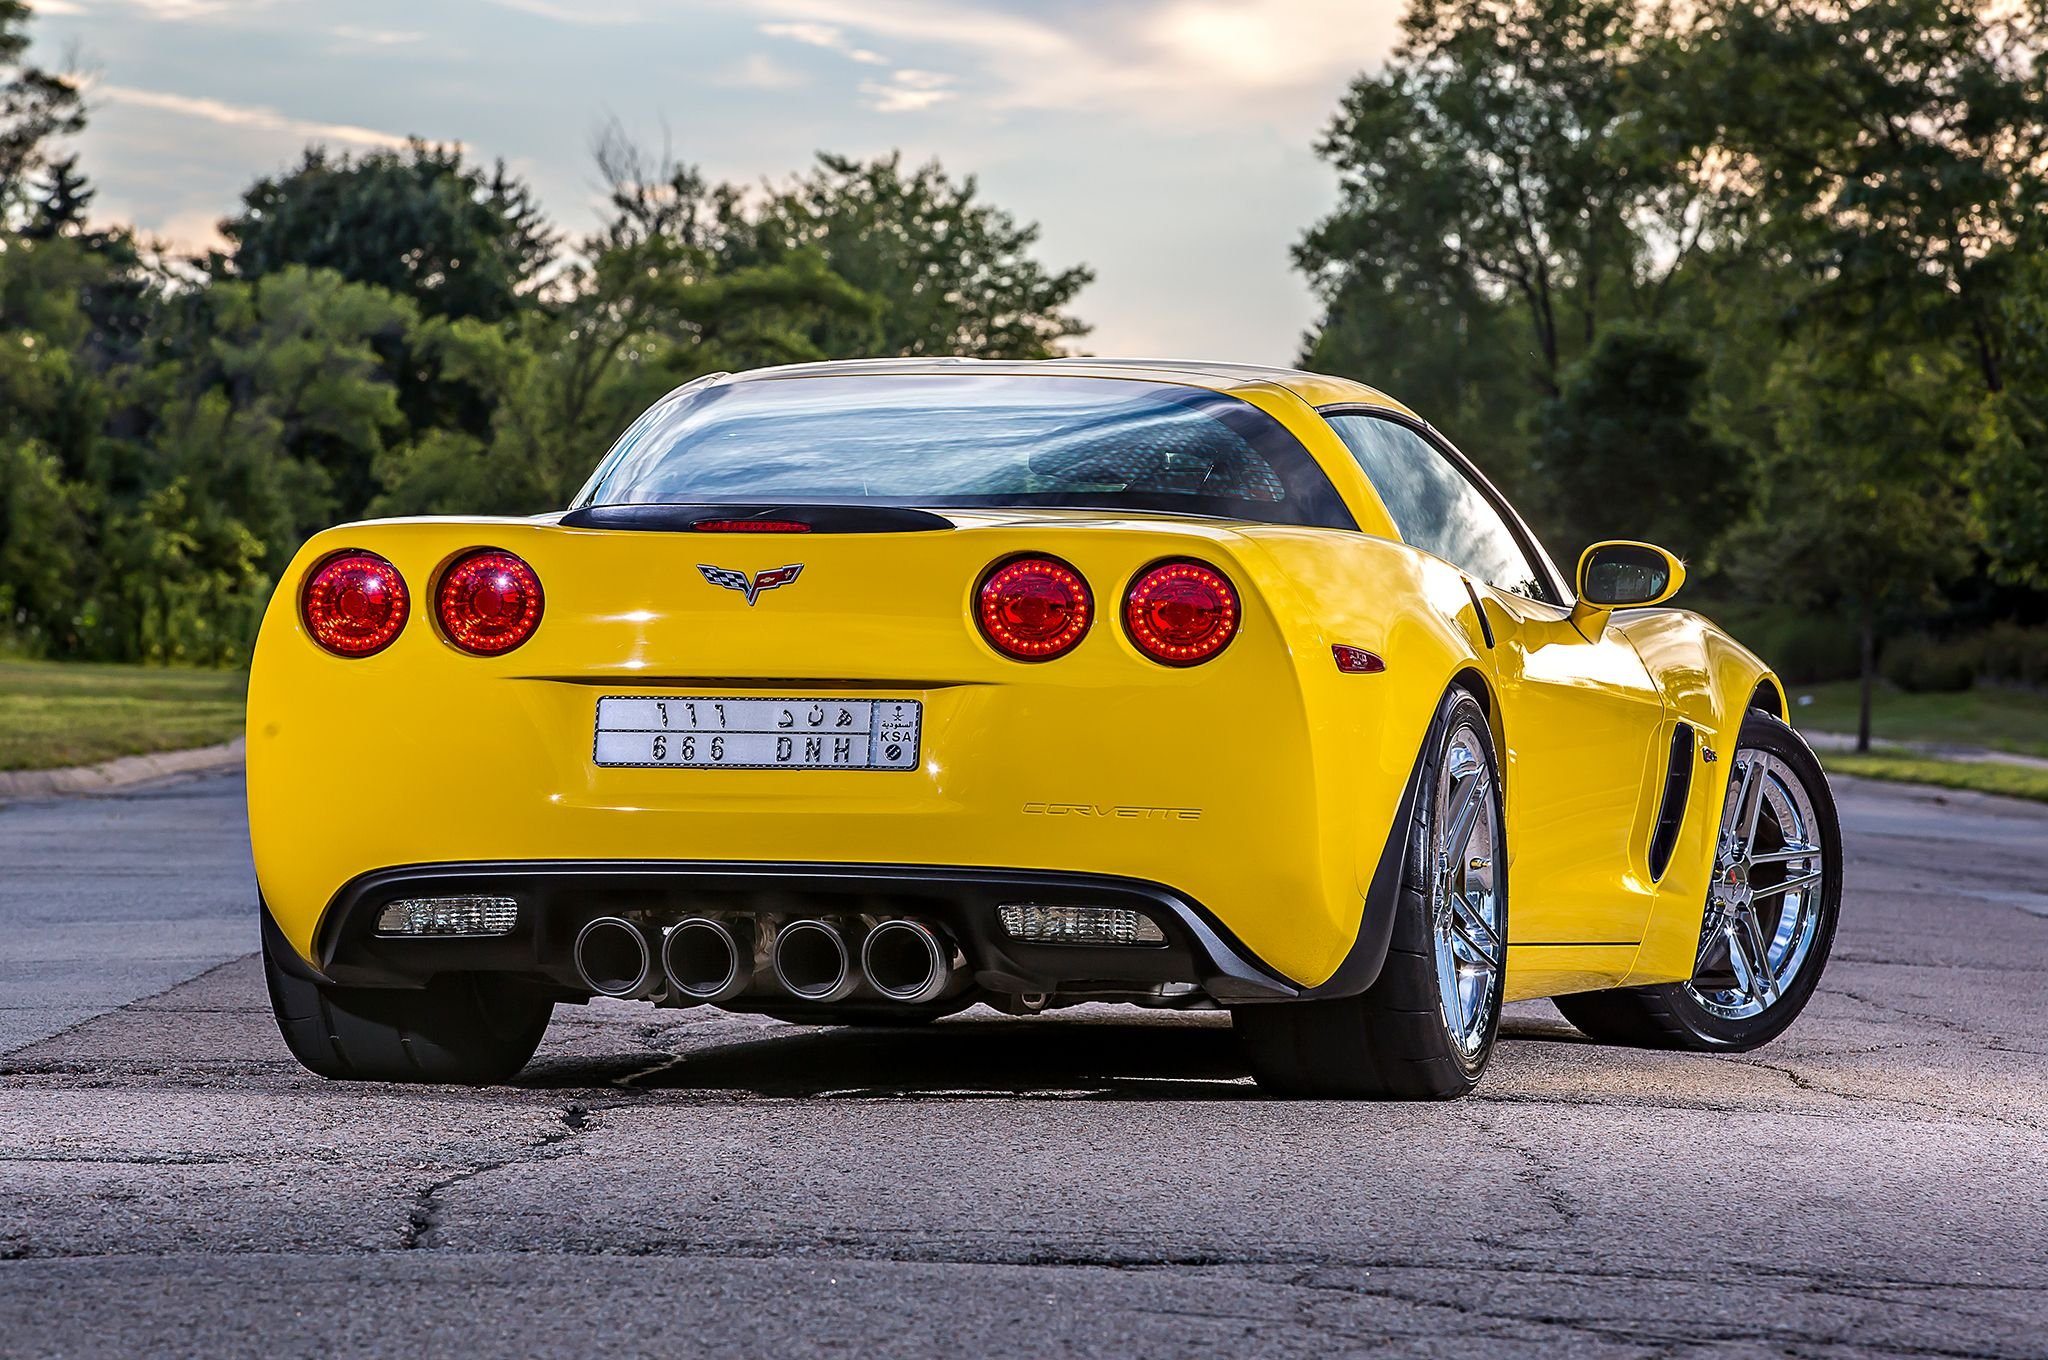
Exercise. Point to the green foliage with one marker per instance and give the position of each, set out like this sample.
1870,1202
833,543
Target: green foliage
946,272
1624,451
953,273
1919,664
35,106
423,223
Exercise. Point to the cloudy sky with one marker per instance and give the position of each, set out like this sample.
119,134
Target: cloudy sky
1168,143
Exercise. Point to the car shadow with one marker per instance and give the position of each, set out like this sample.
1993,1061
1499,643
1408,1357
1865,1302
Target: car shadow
959,1058
1195,1058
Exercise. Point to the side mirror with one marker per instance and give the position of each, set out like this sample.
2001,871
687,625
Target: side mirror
1619,575
1623,575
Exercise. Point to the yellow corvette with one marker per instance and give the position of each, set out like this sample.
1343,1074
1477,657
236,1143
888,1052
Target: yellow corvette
857,693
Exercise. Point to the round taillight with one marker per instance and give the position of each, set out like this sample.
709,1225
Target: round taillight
1034,608
355,604
489,602
1181,613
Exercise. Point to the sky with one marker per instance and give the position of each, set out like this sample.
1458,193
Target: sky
1167,143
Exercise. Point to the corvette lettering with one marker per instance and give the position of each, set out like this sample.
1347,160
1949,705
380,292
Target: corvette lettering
1129,811
738,580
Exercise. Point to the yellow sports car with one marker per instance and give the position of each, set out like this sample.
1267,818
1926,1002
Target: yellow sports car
857,693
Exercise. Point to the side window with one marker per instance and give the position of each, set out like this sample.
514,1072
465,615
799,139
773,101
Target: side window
1436,507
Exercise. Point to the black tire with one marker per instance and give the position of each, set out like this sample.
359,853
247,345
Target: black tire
464,1029
1393,1041
1670,1016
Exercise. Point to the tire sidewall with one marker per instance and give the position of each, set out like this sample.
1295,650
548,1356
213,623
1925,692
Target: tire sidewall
1459,707
1761,731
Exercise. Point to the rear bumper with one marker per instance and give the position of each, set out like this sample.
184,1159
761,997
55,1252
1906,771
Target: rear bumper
557,897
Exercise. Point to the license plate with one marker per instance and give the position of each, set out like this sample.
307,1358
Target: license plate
697,732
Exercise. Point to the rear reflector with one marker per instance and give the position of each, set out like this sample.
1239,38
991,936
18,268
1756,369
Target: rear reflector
449,916
1078,925
751,526
1356,660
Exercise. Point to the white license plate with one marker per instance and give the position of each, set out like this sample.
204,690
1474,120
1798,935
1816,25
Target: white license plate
697,732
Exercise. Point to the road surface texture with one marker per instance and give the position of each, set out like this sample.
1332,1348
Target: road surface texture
1102,1182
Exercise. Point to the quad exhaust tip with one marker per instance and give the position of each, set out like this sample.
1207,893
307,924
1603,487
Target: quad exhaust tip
906,961
612,958
811,960
705,961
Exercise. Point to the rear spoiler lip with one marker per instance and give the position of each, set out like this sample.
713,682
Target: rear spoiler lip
816,518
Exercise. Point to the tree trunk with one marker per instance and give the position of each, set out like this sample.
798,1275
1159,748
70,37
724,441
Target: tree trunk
1866,640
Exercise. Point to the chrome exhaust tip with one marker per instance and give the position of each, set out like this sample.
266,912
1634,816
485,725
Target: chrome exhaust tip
612,958
705,961
811,961
907,961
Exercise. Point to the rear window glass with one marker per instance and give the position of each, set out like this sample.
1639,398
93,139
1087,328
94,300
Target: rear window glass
985,441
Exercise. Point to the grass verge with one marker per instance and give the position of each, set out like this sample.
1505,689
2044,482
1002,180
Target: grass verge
1979,776
1990,717
56,714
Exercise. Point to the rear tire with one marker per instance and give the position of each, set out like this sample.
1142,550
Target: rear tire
1727,1006
1426,1027
467,1029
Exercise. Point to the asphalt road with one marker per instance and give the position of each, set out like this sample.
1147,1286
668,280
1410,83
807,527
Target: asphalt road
1090,1182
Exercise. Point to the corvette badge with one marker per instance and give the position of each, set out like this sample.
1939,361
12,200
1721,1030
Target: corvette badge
737,580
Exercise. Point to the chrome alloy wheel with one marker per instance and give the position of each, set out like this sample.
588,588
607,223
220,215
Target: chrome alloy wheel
1465,907
1763,909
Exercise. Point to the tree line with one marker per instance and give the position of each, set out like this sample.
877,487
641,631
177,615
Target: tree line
1765,281
403,332
1762,280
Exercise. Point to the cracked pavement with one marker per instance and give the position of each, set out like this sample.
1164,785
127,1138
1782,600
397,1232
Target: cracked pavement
1096,1181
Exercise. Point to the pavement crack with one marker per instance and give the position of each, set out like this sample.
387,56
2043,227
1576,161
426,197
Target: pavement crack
422,1220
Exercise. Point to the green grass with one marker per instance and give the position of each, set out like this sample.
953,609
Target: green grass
1992,718
1980,776
55,714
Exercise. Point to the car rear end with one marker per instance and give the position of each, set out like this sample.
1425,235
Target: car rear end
793,754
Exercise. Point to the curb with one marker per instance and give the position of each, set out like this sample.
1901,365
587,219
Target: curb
119,774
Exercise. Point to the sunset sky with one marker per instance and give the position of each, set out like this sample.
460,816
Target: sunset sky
1169,143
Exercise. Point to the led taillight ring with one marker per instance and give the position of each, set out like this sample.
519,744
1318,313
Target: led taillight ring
1033,607
1181,612
489,602
354,604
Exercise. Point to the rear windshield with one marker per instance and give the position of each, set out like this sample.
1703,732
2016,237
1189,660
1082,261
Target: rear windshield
968,441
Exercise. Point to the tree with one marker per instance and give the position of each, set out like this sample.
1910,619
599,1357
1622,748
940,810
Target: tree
35,106
1897,151
651,308
271,402
423,223
1501,155
1858,501
1624,451
953,274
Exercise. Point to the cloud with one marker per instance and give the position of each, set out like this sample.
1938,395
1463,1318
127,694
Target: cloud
760,72
1165,60
908,91
61,7
252,117
596,14
374,37
827,36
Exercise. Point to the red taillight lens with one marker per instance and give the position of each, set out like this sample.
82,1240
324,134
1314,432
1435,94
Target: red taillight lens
1181,613
489,602
355,604
1034,608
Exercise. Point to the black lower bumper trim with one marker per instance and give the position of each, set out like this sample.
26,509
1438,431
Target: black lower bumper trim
556,897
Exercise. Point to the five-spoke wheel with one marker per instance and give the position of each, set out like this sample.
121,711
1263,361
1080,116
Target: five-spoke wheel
1770,911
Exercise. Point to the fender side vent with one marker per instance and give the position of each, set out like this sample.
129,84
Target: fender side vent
1677,791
